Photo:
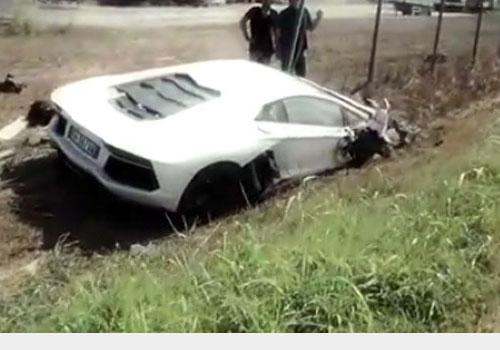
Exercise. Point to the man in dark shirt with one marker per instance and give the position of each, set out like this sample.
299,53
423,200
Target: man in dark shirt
287,26
262,31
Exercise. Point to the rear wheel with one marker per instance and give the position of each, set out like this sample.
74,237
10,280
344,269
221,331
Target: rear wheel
217,194
213,190
226,186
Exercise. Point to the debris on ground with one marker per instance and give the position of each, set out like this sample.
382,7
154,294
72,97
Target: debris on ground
5,157
13,129
382,133
364,144
36,137
399,125
6,154
10,86
439,58
3,165
40,113
141,250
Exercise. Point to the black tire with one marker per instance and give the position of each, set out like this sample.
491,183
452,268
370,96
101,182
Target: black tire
214,189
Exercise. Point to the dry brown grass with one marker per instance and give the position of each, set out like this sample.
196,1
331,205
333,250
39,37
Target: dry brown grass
427,96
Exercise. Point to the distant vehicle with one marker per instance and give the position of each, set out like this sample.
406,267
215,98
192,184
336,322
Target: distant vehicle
474,5
413,8
450,5
214,2
58,3
464,5
182,137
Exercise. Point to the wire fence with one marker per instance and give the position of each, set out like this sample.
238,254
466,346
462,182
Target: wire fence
434,57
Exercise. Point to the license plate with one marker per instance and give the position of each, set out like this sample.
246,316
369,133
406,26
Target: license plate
84,143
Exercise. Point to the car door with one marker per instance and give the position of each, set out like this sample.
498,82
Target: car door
306,131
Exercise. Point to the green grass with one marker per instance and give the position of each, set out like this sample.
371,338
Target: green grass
409,254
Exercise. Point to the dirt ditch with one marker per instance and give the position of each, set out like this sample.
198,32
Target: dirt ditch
42,204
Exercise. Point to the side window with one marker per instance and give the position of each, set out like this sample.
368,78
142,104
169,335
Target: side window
274,112
313,111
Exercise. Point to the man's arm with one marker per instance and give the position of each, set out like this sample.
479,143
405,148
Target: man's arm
277,35
312,25
274,30
243,25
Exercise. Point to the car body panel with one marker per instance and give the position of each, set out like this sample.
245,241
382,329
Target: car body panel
302,150
223,129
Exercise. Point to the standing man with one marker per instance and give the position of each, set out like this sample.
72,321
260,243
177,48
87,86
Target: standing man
287,28
262,31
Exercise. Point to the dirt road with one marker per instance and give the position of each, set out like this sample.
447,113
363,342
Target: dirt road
186,16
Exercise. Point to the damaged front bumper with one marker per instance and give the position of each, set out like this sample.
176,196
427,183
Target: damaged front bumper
379,135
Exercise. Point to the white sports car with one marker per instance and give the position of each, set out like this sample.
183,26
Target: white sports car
185,137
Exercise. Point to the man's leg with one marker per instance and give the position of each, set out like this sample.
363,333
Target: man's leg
265,58
254,55
284,56
260,57
284,64
286,61
301,65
